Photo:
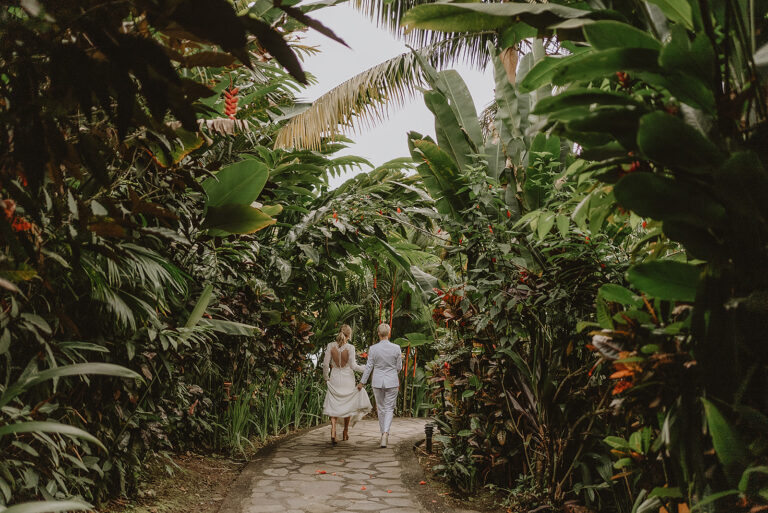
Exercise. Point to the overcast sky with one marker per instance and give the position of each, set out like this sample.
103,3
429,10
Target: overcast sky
370,46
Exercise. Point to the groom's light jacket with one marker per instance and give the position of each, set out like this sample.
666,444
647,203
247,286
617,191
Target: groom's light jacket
386,358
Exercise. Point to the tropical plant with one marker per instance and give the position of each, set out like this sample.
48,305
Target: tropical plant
666,101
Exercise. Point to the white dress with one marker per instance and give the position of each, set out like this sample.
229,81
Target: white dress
343,399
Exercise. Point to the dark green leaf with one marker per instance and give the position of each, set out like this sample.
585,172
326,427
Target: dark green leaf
613,34
602,64
228,219
672,142
666,279
239,183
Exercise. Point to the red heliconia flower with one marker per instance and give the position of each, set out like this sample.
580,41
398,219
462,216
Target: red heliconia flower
490,228
335,215
446,366
460,240
586,240
230,102
645,224
509,214
398,210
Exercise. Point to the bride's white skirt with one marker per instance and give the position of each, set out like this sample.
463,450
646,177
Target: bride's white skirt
343,399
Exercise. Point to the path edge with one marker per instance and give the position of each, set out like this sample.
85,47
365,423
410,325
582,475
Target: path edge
412,474
241,487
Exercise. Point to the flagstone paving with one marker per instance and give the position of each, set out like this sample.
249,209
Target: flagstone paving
305,474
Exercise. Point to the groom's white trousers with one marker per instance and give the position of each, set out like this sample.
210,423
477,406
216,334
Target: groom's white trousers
385,406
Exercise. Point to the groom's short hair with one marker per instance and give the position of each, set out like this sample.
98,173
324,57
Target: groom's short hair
384,330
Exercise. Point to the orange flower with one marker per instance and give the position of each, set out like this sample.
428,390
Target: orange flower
624,373
621,386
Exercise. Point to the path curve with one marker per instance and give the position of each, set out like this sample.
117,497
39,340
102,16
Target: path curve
305,474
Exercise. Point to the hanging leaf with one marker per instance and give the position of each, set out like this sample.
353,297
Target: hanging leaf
618,294
672,142
273,42
242,219
48,427
237,184
729,448
469,17
207,59
678,11
591,65
666,279
300,16
613,34
200,306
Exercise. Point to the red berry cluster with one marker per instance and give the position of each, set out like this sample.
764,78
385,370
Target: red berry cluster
230,102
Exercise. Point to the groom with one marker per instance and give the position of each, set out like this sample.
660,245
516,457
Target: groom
386,359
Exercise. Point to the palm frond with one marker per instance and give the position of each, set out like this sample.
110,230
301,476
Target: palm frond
460,47
365,99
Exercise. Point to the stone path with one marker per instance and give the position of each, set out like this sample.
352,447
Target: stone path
305,474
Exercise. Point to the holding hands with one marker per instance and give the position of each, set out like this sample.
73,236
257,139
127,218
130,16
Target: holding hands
359,386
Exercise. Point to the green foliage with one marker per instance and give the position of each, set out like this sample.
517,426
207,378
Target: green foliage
666,106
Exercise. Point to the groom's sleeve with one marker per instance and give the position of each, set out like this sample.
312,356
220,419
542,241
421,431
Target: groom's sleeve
368,368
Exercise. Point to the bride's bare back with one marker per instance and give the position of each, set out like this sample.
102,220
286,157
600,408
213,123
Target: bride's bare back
340,358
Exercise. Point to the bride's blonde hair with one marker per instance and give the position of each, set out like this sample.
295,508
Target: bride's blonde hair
344,334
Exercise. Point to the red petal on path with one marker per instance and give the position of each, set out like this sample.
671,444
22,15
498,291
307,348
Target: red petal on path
389,491
362,487
333,474
321,471
422,482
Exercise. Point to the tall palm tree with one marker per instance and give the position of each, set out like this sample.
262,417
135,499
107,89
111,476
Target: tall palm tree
368,97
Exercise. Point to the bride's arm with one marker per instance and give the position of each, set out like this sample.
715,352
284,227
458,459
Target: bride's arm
327,364
353,360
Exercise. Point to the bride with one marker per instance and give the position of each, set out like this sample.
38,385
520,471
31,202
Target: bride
343,399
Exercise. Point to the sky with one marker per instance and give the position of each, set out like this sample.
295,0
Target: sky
369,46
